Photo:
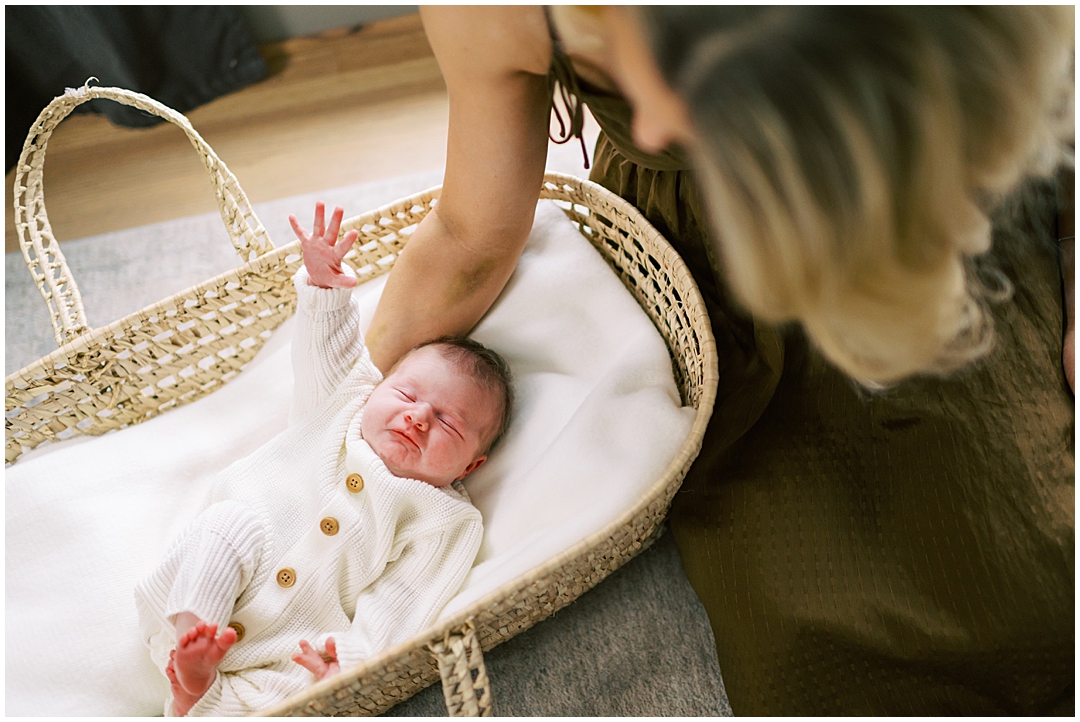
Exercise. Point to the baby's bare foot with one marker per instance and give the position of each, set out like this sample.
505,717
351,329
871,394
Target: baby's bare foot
182,701
198,653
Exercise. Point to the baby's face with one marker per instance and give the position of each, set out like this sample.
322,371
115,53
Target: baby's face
427,420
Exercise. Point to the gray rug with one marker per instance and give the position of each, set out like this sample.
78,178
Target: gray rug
639,644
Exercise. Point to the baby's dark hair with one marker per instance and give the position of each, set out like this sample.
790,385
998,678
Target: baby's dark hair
487,368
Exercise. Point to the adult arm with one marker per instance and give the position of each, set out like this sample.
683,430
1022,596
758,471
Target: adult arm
494,61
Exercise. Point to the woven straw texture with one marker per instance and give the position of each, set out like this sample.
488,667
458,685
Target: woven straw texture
188,345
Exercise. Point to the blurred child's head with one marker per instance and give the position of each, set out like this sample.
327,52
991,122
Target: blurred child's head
439,411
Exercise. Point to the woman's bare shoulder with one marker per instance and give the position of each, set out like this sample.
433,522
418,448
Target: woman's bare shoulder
489,39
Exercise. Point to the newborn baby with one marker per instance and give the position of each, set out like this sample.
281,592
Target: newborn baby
350,528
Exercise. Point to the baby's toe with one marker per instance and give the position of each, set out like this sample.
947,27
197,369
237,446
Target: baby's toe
227,638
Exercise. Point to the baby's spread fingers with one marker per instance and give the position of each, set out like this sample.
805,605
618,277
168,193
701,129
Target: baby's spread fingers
310,663
320,219
344,281
298,229
335,225
345,244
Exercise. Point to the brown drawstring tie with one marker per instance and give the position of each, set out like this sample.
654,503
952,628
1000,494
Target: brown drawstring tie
564,85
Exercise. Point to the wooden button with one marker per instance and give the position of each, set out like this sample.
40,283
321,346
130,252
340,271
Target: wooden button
355,482
286,577
329,526
239,629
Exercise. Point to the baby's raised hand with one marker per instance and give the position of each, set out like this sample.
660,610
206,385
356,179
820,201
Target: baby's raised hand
323,251
319,665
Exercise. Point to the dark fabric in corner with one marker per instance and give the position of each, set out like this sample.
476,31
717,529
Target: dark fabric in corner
182,56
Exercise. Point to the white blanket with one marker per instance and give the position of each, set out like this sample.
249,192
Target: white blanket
598,419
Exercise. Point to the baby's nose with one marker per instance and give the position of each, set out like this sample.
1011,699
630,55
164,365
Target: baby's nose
419,417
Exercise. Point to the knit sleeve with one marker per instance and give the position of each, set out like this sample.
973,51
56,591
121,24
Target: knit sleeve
410,593
326,343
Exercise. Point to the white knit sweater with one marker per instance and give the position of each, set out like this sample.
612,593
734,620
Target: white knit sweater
402,550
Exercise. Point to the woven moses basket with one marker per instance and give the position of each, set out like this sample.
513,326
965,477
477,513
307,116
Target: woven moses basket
190,344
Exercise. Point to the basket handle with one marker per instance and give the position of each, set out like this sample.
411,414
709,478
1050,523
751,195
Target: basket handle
42,253
459,655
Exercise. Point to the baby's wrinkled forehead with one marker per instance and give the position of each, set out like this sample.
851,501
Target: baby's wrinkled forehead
458,372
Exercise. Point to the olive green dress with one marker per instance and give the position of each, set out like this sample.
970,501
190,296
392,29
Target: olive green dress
902,553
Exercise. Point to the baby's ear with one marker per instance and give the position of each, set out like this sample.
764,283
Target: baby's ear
473,466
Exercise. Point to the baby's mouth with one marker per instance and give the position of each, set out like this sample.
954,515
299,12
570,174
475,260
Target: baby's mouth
407,438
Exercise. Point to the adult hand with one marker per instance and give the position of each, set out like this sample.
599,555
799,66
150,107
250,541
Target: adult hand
319,665
323,251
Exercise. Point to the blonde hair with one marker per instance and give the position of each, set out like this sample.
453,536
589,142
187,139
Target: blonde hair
849,157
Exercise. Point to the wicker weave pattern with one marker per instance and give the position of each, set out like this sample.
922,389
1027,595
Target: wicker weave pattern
186,346
459,656
171,353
